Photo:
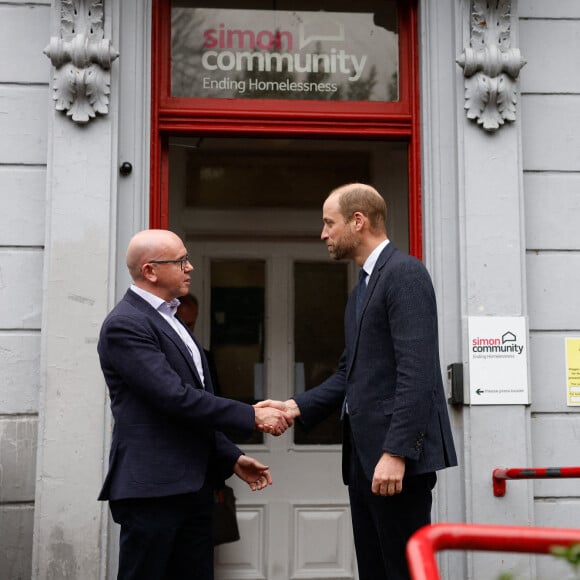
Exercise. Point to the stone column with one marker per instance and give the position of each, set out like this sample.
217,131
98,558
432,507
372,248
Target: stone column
475,250
492,265
77,294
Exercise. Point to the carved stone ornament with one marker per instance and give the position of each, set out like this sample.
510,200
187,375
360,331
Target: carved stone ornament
82,58
491,67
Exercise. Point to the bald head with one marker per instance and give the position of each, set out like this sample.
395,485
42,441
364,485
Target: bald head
365,199
149,245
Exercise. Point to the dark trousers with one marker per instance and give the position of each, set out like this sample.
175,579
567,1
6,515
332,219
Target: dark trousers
383,525
166,538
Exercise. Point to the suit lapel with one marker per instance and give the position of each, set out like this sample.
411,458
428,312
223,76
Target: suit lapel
376,275
204,365
158,321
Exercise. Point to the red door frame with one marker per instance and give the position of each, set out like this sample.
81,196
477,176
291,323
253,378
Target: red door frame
277,118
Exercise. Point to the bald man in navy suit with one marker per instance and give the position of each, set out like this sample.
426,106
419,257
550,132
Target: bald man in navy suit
396,425
167,449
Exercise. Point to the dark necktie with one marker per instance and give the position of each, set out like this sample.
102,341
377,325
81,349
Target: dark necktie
361,290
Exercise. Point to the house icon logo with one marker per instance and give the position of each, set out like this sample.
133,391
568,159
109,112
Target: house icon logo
508,337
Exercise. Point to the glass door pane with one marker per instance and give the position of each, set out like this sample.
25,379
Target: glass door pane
320,294
237,330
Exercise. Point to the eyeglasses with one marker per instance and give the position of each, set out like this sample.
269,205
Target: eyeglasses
181,261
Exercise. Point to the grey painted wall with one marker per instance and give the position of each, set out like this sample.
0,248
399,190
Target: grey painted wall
550,85
546,179
23,129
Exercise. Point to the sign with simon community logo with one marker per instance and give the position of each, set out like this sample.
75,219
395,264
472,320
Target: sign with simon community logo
222,53
498,361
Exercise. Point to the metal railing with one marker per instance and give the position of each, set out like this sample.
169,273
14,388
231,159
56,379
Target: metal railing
500,475
424,543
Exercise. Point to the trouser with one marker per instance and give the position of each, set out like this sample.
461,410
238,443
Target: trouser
383,525
166,538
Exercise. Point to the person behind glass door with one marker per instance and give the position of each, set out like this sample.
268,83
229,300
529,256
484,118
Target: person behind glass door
389,386
188,311
167,448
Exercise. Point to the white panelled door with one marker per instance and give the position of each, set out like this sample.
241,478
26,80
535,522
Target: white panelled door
272,314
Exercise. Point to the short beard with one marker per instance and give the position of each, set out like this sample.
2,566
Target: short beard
345,248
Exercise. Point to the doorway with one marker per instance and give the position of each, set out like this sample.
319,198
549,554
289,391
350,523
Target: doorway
271,310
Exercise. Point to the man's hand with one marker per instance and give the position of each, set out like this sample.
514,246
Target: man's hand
289,407
388,476
254,473
270,419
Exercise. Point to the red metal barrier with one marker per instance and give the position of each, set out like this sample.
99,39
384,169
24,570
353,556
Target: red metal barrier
425,542
500,475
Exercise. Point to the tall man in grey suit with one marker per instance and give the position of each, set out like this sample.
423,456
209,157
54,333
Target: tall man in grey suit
396,425
167,450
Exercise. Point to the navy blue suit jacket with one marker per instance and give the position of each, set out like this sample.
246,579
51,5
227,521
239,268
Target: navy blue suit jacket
390,372
166,436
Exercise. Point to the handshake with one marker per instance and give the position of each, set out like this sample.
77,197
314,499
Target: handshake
275,417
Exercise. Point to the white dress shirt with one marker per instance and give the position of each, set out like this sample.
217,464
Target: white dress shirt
370,262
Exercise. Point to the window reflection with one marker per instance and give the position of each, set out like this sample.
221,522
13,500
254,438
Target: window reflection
291,51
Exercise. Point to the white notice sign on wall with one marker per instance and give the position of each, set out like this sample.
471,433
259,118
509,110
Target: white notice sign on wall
498,360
